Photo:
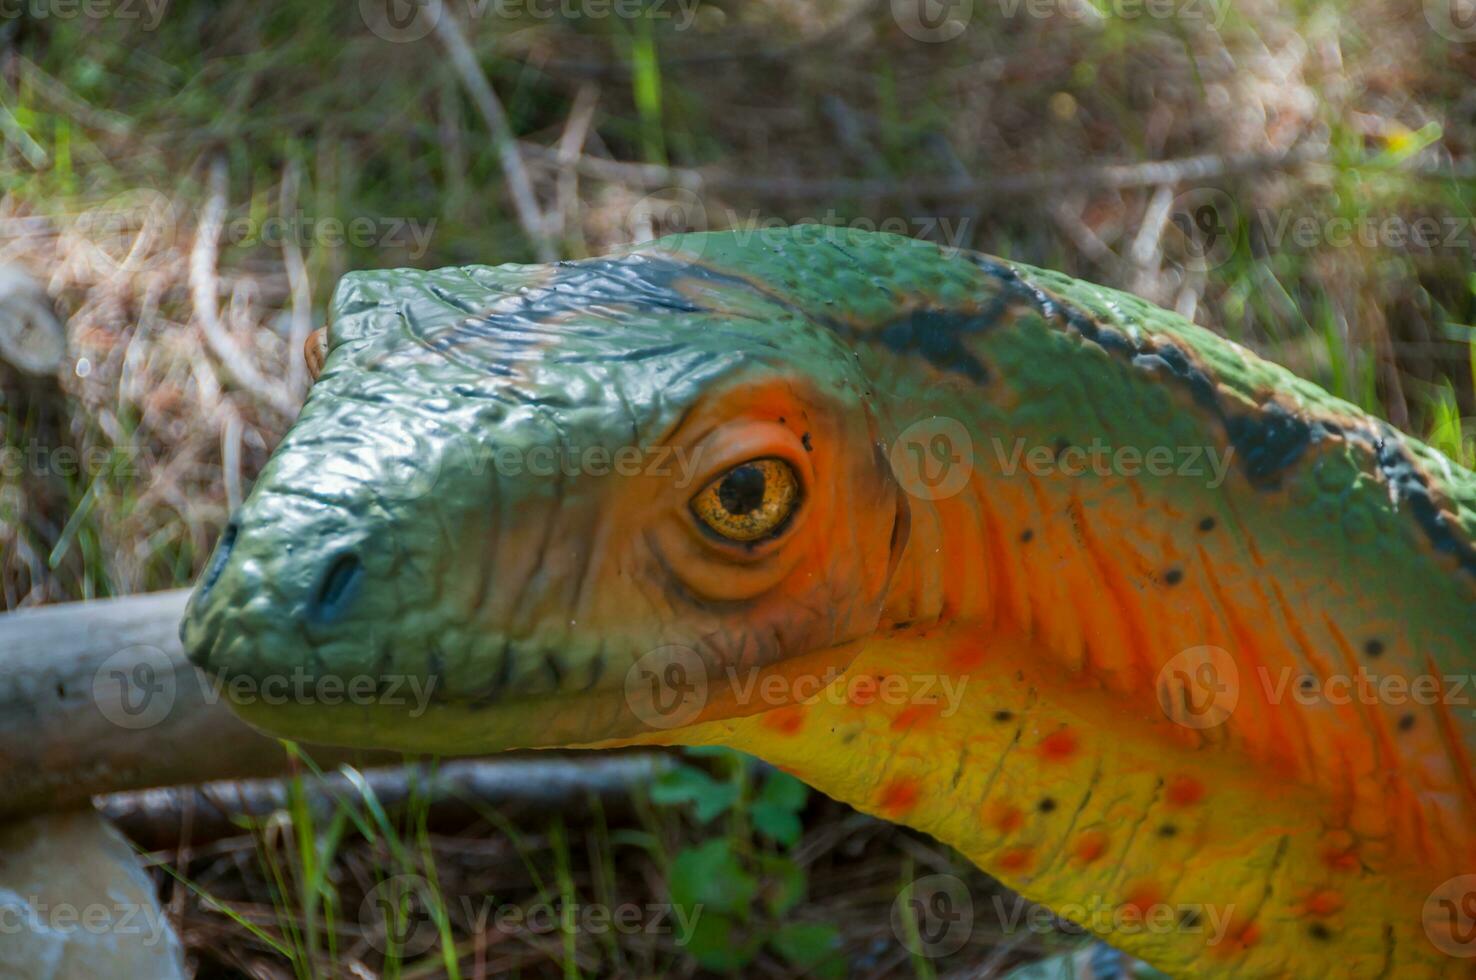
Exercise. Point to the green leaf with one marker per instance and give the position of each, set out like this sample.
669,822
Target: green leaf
778,823
785,883
710,752
813,947
708,878
716,943
783,790
687,784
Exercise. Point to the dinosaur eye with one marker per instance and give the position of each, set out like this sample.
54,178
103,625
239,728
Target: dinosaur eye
315,351
752,500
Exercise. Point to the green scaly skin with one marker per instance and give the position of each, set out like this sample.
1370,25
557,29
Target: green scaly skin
1116,686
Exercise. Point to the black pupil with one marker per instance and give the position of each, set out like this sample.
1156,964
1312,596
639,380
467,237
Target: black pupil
742,490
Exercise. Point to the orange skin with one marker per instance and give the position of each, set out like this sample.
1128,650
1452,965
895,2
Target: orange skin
1020,776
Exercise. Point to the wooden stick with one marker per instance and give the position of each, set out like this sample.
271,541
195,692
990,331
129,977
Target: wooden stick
97,697
1191,170
523,790
525,202
204,287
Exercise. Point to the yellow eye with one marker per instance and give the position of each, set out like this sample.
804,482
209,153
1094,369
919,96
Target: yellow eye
750,501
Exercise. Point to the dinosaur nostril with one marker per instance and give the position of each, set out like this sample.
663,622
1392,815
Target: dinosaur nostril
221,557
337,588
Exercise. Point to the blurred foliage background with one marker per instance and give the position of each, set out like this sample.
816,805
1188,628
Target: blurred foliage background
187,180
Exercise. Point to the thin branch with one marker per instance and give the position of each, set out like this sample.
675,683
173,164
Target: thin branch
300,287
520,788
570,149
204,286
525,204
1151,173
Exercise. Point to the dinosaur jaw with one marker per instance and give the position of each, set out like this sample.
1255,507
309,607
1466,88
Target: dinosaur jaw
659,698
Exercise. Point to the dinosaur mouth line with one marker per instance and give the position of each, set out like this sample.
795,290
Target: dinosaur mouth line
546,672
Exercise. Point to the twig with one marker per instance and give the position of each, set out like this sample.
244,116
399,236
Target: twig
1068,219
1147,174
230,458
571,147
301,288
520,788
204,289
525,204
1146,252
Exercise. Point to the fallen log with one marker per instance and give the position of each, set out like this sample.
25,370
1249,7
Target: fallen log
98,701
97,697
523,791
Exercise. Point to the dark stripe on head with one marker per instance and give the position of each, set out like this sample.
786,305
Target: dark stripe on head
938,336
1268,438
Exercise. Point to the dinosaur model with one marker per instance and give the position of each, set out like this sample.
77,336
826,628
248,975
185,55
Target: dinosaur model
1158,633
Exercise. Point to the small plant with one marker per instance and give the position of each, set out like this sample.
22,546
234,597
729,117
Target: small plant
740,888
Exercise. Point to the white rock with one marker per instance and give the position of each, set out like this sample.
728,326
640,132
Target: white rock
32,339
75,904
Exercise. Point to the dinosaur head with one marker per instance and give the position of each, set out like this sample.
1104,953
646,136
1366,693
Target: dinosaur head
552,505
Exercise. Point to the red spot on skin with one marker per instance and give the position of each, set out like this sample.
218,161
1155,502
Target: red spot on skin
965,657
915,714
898,796
862,691
1247,937
1140,899
1340,851
1340,860
1324,903
1238,938
1004,817
1059,745
1184,791
1091,845
1016,859
785,721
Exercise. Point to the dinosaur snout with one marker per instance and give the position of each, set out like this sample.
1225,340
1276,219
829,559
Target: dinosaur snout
269,596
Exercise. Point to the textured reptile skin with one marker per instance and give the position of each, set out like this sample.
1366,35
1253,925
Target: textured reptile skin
1216,706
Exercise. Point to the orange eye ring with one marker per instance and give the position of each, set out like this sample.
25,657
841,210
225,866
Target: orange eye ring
753,500
315,352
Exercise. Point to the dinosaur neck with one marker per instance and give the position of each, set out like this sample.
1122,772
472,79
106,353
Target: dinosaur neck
1192,865
1165,599
1014,705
